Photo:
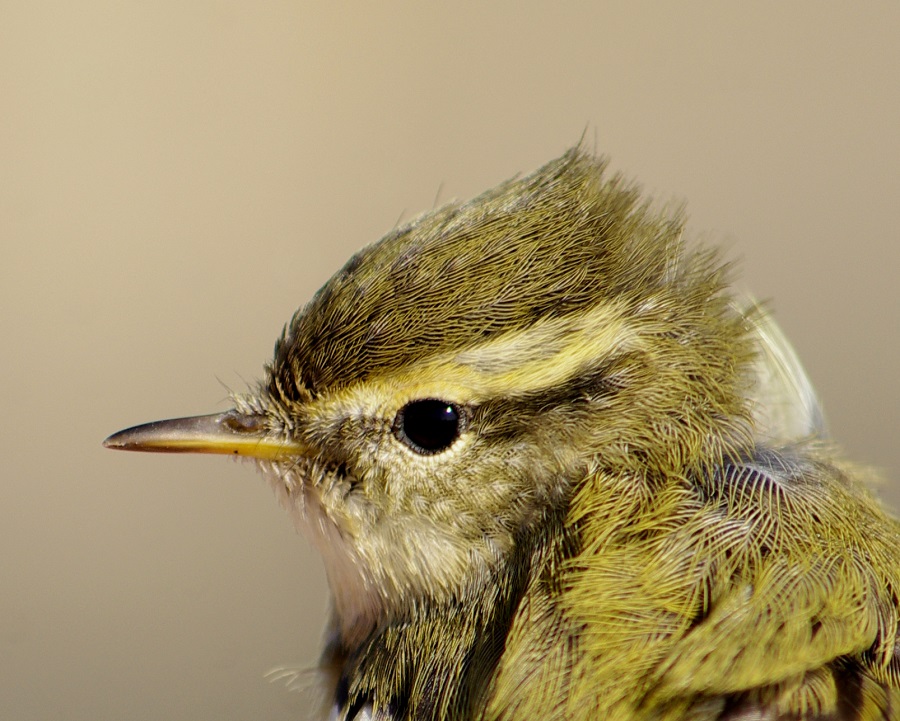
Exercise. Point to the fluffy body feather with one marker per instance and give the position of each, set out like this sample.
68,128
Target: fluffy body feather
638,516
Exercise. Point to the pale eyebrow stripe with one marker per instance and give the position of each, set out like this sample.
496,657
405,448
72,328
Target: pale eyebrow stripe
543,339
541,356
544,356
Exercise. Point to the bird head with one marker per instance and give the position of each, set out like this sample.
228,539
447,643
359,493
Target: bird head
441,399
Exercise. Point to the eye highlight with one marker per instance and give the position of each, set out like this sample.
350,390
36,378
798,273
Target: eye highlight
428,425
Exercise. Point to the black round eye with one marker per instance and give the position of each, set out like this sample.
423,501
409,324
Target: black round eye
428,426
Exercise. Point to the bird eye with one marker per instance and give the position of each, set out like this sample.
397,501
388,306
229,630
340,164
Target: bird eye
428,426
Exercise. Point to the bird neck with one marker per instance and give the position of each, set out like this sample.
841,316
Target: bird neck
440,659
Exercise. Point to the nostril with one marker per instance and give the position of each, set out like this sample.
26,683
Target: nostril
243,422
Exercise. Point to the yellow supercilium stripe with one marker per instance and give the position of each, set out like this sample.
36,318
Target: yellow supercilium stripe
544,355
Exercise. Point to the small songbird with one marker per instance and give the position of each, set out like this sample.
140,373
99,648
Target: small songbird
557,471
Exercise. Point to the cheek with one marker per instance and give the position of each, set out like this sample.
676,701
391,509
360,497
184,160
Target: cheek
490,495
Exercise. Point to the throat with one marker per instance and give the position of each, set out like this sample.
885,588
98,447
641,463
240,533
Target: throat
360,602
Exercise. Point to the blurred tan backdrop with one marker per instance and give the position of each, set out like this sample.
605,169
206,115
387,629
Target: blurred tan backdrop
177,177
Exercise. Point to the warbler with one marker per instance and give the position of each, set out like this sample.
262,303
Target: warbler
557,470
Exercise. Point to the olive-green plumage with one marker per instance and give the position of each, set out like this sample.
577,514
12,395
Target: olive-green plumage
558,472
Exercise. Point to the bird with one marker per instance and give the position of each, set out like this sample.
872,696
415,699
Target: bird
558,469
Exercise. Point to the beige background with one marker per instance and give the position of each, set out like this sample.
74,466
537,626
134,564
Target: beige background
177,177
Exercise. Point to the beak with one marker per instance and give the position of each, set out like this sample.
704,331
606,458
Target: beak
231,433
